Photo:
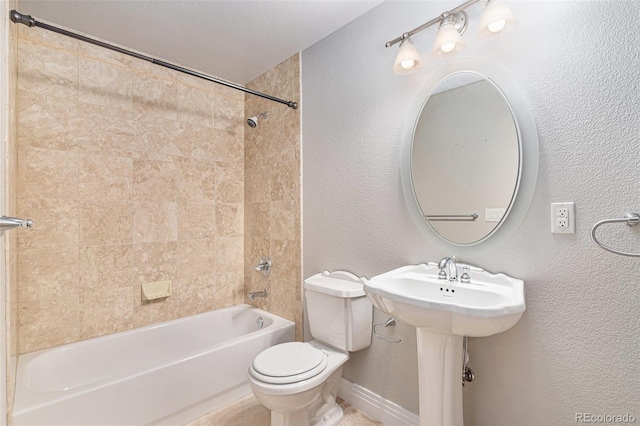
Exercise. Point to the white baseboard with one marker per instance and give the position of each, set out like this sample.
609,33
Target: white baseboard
375,406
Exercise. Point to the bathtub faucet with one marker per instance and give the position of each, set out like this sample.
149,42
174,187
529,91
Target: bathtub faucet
262,293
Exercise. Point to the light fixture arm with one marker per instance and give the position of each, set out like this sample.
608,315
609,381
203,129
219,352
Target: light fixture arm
431,22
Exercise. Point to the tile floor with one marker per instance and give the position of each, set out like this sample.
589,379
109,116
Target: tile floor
249,412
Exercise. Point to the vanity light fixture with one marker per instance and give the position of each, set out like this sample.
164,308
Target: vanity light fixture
408,59
497,19
449,40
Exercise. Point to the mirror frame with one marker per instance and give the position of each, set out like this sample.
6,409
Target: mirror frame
526,126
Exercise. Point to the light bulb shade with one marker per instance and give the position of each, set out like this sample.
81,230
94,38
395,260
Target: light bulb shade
448,41
408,59
497,20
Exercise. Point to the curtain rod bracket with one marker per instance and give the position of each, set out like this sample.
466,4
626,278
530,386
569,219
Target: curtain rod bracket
20,18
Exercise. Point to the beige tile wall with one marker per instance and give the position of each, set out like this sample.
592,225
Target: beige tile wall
132,173
272,193
10,210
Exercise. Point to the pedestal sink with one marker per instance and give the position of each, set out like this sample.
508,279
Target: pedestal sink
443,312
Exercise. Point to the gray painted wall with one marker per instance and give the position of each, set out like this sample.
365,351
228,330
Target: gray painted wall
576,348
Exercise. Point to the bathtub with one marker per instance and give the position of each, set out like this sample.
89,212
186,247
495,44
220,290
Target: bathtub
168,373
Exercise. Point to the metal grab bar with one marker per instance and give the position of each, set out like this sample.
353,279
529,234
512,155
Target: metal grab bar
631,219
452,217
7,223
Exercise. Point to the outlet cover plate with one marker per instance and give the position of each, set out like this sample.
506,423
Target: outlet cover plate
563,218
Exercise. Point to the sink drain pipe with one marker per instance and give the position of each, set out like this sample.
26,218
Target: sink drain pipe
467,373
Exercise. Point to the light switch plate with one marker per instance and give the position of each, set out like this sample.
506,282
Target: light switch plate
563,218
493,215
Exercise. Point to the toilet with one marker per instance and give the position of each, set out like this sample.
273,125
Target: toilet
299,381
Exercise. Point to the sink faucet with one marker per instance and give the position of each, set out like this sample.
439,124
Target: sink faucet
448,268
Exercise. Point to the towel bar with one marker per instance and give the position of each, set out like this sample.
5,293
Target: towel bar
631,219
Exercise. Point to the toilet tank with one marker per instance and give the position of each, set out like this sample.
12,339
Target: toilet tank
339,312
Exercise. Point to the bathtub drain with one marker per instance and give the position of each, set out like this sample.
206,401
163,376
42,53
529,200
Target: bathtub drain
259,322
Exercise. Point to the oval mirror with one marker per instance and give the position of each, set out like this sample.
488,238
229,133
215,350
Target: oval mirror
470,162
465,158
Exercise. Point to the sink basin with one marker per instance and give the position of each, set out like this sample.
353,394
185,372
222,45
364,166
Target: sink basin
443,312
489,304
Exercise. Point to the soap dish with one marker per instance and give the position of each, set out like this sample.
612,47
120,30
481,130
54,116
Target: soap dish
157,290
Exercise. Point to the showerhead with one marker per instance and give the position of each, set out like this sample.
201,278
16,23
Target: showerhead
253,121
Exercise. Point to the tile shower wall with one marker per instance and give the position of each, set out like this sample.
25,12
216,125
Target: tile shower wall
132,174
11,285
272,193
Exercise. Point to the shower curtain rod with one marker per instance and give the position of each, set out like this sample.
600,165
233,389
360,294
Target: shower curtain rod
19,18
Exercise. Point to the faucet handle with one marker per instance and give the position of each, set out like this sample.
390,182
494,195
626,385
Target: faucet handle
465,278
264,266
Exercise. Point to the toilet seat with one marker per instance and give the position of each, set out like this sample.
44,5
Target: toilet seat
288,363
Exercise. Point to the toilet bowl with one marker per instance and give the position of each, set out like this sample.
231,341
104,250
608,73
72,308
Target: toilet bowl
299,381
296,396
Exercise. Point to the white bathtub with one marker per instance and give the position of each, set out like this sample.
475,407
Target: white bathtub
168,373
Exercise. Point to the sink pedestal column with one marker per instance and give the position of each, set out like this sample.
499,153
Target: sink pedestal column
440,378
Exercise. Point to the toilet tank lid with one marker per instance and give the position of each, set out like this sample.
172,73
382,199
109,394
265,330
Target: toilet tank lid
337,283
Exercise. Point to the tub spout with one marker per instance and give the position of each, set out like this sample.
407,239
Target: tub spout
255,294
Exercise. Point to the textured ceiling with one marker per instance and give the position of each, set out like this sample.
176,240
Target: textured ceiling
234,40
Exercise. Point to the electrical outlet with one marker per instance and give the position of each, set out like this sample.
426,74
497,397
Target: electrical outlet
563,218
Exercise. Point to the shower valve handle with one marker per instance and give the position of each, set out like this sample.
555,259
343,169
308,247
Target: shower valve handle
264,266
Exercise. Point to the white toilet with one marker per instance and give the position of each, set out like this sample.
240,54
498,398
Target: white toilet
299,381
